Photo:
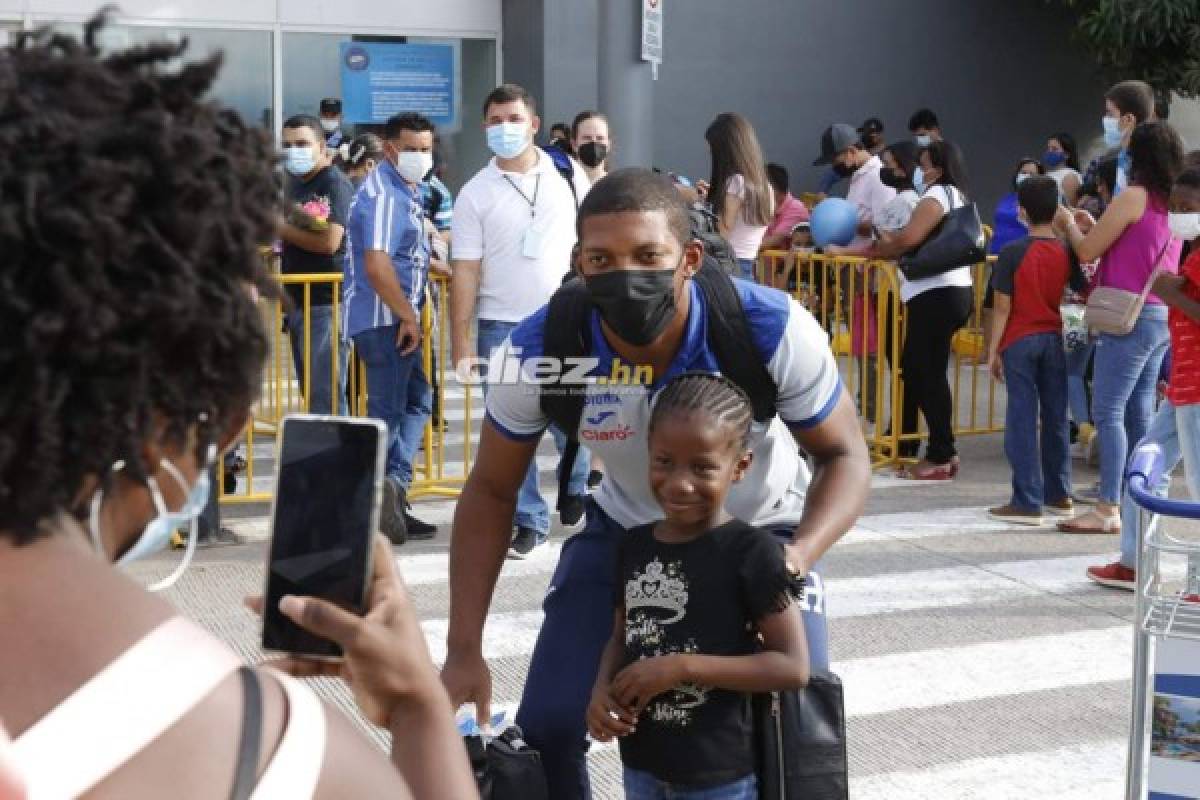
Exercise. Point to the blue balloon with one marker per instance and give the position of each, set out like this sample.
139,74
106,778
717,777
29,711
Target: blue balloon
833,221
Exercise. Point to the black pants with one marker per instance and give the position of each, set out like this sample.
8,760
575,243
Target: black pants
933,317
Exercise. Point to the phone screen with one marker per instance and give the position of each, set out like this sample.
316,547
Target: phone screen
327,499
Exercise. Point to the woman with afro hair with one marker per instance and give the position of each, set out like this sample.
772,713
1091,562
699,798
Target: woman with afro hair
131,344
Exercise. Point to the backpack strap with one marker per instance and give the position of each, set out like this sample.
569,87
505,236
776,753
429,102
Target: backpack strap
729,338
122,709
562,163
567,335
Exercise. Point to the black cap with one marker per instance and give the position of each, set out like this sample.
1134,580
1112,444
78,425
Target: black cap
872,125
331,105
834,140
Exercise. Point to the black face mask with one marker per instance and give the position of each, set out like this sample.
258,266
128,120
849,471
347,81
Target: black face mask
637,304
592,154
889,178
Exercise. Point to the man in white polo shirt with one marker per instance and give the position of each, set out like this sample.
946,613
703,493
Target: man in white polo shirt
842,147
513,231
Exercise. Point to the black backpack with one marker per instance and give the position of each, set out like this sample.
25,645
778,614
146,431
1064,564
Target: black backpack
567,334
706,229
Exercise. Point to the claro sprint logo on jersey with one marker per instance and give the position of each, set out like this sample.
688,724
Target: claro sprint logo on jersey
618,434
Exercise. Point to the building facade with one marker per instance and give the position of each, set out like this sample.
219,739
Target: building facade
1001,74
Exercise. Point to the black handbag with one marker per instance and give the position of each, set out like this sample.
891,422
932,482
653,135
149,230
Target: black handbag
506,768
800,742
957,241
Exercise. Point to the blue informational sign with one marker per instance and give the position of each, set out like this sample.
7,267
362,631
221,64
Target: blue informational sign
382,80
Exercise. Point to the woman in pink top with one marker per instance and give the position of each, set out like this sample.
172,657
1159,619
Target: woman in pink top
133,351
739,192
1131,239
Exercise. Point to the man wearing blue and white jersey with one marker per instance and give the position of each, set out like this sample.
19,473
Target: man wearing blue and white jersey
386,270
637,260
438,203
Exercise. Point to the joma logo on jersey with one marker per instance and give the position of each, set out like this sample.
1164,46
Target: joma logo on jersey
618,434
508,368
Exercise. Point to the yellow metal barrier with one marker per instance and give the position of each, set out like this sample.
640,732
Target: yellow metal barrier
857,302
285,392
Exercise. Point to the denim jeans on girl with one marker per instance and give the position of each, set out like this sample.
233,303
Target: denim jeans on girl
1077,397
1123,392
1035,373
532,510
644,786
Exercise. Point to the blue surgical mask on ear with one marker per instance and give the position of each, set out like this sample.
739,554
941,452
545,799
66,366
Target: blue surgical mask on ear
157,534
919,180
508,139
1112,131
300,160
1053,159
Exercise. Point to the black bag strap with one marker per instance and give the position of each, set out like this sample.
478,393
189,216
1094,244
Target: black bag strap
246,774
729,338
567,335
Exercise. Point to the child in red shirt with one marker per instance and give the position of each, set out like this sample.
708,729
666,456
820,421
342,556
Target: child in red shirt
1027,354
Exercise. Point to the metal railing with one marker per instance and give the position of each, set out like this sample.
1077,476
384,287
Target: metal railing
284,391
857,302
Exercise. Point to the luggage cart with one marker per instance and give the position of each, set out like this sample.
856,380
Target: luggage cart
1160,615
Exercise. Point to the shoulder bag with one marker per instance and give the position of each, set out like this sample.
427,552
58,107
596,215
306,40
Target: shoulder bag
1115,311
800,742
957,241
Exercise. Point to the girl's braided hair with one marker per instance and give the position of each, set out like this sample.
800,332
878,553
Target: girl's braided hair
706,393
131,214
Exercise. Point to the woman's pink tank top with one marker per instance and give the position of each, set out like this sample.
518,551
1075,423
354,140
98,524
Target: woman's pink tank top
1141,247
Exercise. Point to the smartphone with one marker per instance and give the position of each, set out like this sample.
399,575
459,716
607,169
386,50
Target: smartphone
328,491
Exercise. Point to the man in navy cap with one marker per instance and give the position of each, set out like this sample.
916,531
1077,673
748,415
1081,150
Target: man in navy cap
331,122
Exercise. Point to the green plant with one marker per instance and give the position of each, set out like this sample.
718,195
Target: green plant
1157,41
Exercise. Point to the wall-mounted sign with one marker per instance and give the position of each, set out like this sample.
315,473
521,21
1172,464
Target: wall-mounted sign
382,80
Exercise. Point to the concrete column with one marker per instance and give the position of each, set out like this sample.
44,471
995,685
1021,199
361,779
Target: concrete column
625,82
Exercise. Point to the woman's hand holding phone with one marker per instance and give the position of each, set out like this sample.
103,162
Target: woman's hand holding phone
386,663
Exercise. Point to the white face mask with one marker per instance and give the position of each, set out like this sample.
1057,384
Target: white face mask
330,125
1184,226
413,167
923,139
157,534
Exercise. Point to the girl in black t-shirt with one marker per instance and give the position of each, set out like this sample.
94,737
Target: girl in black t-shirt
704,611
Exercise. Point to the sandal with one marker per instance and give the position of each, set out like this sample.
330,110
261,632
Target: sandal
1091,522
928,471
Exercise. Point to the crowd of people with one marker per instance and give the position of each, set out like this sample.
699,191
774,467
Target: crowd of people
702,508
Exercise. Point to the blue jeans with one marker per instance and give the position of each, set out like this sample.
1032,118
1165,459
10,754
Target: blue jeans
1176,430
532,510
320,347
1035,373
644,786
398,393
579,622
1077,363
747,265
1123,391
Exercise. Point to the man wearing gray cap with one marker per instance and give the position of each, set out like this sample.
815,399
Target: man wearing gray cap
842,147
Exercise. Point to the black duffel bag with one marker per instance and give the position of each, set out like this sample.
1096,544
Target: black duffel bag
506,768
957,241
800,742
